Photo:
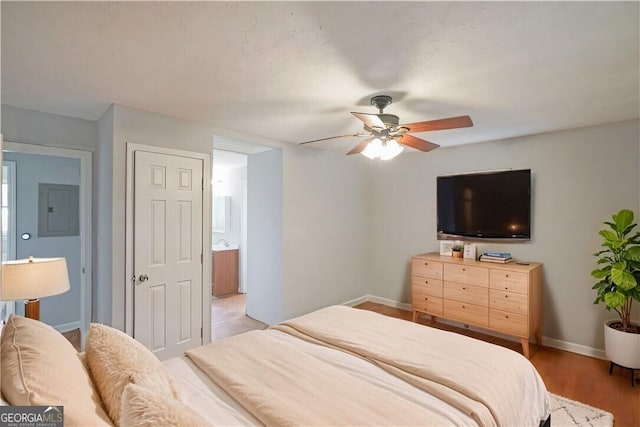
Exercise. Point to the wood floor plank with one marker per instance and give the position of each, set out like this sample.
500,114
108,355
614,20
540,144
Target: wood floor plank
574,376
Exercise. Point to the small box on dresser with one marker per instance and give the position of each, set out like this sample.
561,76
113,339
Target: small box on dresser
505,298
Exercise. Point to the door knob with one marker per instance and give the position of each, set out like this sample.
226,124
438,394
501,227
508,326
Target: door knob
143,278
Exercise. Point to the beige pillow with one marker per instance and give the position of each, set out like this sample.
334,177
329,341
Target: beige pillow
116,360
41,367
141,407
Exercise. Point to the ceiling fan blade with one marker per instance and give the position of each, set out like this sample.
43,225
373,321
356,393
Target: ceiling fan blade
371,120
360,147
417,143
441,124
335,137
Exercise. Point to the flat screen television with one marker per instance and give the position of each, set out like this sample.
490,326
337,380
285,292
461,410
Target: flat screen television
487,205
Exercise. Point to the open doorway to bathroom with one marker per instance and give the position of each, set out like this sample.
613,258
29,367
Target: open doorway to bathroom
229,253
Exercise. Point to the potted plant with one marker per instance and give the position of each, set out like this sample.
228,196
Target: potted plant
617,287
456,251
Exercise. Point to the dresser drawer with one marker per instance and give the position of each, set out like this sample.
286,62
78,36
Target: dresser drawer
509,323
427,286
427,304
512,281
508,301
466,313
426,268
477,276
466,293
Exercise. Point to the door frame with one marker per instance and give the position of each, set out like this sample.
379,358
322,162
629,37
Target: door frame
206,231
86,219
13,238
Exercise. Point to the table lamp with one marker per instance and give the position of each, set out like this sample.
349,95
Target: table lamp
31,279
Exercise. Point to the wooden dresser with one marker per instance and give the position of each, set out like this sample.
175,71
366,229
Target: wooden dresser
505,298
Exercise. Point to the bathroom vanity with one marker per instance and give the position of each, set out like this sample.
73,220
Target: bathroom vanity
225,268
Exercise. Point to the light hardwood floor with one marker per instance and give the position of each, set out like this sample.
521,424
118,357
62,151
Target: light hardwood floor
228,317
568,374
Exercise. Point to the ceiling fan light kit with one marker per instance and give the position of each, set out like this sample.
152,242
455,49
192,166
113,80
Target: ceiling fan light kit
383,150
388,137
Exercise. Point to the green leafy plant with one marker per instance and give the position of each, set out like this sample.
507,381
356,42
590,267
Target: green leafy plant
457,248
619,272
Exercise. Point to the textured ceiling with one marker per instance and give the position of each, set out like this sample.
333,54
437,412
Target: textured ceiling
293,71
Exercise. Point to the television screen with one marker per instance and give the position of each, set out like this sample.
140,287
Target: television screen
492,205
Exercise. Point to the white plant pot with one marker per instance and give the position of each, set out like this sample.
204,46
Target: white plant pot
622,348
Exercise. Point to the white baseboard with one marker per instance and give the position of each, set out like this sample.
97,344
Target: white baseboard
574,348
389,302
357,301
380,300
546,341
66,327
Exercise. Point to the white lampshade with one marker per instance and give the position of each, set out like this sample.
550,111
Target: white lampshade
390,150
33,278
376,149
373,149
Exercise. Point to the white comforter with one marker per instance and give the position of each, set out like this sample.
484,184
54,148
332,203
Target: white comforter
494,385
475,383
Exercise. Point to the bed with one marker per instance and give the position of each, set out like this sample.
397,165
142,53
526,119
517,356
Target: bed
335,366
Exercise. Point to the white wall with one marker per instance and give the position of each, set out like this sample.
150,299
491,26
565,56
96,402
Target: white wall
102,200
34,127
32,169
579,179
308,232
264,236
326,240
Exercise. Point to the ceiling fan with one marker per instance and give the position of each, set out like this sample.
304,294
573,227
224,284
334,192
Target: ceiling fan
387,138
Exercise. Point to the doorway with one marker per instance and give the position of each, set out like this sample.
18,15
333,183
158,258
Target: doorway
262,171
228,228
28,170
229,287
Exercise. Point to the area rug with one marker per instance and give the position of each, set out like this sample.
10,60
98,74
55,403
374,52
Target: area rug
569,413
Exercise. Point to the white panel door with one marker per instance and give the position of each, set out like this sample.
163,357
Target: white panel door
167,250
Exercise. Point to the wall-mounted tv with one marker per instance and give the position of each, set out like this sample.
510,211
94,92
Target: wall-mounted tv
487,205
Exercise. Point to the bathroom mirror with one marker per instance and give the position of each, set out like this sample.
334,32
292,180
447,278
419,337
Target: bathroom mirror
221,214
